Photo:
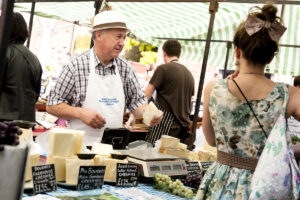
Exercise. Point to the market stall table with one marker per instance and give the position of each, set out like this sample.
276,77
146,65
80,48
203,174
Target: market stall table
124,193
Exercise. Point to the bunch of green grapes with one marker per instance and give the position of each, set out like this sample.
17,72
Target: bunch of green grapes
295,139
166,184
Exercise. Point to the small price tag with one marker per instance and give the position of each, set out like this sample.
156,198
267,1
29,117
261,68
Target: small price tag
193,168
90,177
205,165
43,179
127,175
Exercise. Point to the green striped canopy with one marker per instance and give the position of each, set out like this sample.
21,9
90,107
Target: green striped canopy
149,20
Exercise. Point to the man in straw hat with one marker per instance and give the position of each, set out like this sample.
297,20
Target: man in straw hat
95,88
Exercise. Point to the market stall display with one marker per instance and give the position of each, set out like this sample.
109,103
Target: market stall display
166,184
153,162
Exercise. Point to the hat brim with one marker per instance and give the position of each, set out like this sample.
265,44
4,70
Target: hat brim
109,27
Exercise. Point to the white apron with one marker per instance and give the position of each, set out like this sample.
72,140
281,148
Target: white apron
106,96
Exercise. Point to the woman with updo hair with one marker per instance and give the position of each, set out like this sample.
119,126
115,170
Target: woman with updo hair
240,111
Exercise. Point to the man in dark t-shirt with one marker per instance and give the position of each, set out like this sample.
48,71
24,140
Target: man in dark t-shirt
174,85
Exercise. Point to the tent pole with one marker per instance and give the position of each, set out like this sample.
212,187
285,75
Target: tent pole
213,8
5,23
30,23
97,6
228,47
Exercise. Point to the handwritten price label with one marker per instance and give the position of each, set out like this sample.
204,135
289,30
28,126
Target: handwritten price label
90,177
127,175
43,179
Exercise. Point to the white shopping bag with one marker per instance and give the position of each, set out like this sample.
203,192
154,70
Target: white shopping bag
277,175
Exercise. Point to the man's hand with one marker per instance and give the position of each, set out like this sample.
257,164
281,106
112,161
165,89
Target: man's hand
92,118
156,120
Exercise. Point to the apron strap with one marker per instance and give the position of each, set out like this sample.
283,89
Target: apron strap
162,128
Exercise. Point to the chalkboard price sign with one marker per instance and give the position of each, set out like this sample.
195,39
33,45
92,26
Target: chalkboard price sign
90,177
43,179
127,175
193,168
205,165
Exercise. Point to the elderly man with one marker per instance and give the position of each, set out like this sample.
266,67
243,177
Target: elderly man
95,88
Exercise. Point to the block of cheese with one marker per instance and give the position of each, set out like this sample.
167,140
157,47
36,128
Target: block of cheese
99,160
49,159
102,149
182,146
209,148
176,152
60,167
79,141
151,111
205,155
62,144
32,160
26,135
193,156
169,142
111,167
72,169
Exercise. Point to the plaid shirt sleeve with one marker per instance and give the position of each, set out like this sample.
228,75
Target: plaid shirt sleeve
134,96
62,91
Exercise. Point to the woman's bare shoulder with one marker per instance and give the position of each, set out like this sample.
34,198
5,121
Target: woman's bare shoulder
293,105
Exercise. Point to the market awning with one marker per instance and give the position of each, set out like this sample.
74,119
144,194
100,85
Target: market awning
149,21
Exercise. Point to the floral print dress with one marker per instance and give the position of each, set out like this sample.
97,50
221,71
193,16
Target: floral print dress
238,132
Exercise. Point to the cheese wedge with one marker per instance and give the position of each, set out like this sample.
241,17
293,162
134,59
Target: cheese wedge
169,142
26,135
62,144
65,142
60,168
150,112
205,155
176,152
182,146
33,160
72,169
79,141
111,167
49,159
102,149
209,148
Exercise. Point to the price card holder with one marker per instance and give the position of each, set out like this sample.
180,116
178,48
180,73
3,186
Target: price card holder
193,168
127,175
43,179
90,177
205,165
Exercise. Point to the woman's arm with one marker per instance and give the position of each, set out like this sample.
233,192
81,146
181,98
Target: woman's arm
297,152
206,125
293,105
